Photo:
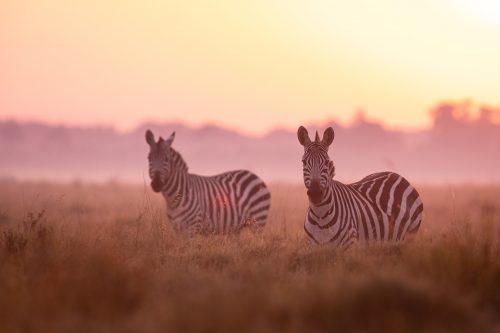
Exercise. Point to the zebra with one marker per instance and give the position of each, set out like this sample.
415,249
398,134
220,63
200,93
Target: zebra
381,206
223,203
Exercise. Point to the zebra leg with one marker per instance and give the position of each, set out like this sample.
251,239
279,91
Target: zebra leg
257,220
196,226
255,226
352,240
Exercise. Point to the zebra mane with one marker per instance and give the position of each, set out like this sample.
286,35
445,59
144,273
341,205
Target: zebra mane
177,160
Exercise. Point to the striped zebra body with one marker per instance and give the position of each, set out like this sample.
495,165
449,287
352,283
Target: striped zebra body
382,206
223,203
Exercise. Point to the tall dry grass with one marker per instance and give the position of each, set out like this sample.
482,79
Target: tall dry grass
80,258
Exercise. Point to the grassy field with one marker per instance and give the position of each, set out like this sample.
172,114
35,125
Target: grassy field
102,258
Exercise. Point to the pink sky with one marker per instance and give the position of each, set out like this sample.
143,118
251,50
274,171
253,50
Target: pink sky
251,65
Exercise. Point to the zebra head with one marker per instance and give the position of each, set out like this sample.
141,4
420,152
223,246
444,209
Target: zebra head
159,159
318,168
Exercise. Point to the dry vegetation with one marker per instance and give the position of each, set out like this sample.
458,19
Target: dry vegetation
80,258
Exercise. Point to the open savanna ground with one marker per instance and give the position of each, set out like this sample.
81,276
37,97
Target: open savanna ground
102,258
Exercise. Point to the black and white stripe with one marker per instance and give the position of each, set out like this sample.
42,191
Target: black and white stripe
381,206
224,203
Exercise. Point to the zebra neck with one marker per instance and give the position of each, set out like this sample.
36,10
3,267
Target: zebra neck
176,188
178,162
327,205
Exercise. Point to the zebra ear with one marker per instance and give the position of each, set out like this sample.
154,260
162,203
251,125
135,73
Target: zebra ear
150,138
303,136
170,139
328,136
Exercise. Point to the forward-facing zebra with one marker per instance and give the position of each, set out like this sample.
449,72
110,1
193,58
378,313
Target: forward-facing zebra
224,203
381,206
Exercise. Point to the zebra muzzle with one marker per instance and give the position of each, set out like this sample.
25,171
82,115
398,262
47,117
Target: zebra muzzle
157,184
315,193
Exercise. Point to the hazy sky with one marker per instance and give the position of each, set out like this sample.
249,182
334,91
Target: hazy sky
252,65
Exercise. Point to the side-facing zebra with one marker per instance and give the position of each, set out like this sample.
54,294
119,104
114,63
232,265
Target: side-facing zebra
224,203
381,206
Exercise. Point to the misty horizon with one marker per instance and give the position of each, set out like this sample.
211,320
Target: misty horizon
462,145
473,112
